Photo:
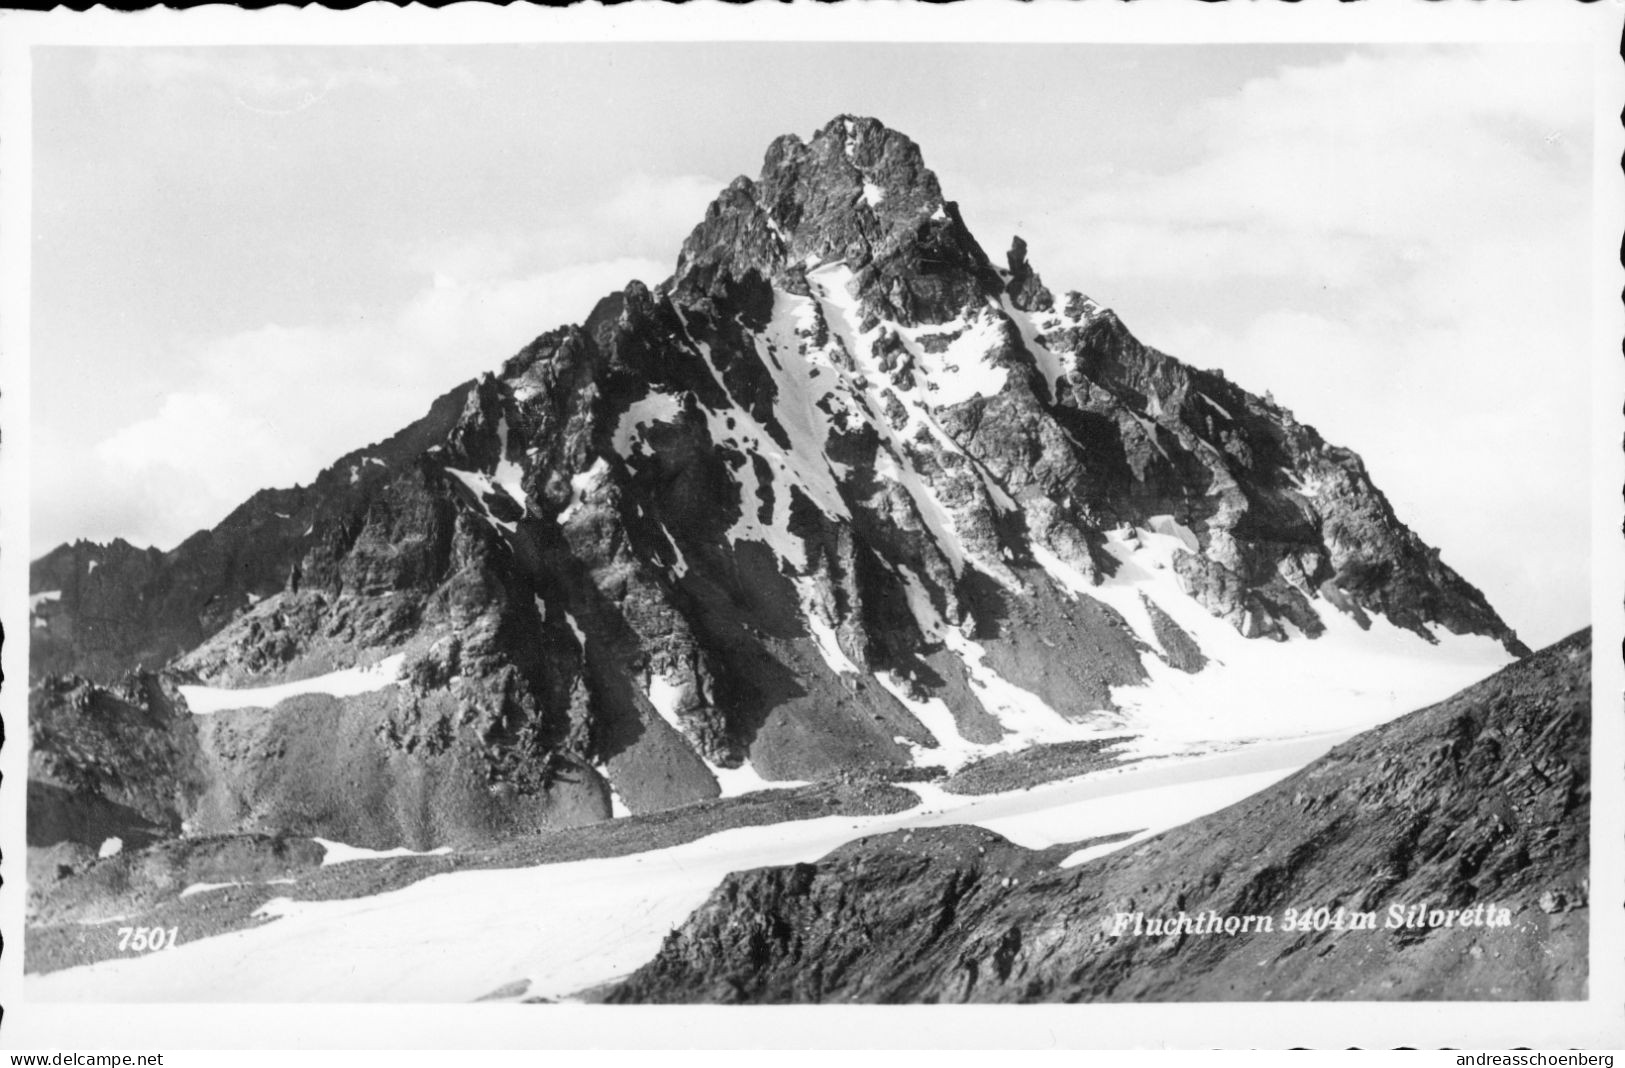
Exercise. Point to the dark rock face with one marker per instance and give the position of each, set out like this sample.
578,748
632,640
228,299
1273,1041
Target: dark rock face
97,891
136,765
687,533
118,608
1482,800
109,763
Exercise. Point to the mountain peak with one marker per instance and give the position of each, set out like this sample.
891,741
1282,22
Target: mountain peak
853,151
840,494
858,193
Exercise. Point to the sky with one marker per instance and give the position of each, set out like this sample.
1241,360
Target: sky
248,261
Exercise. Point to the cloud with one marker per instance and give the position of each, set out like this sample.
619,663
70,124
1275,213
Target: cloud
273,406
1393,242
644,216
646,209
267,79
1333,172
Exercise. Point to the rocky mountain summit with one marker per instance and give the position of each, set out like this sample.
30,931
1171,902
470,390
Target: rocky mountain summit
1448,850
839,495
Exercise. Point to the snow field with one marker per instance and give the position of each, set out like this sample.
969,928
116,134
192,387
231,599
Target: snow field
1254,688
566,927
1249,689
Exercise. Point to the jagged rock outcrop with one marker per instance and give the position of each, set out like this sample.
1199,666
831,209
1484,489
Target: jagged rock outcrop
838,465
109,763
1460,816
100,611
133,763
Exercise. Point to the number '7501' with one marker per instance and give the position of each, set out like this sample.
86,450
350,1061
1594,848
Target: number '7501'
146,939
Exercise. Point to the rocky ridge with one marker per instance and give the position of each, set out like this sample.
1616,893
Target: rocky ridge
1440,826
751,522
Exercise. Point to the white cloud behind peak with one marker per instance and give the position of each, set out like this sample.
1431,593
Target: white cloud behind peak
1395,245
273,406
269,80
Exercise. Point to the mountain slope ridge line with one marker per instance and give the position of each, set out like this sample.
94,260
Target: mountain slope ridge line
882,472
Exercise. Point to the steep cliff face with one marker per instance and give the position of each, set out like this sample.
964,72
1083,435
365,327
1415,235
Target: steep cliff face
109,763
840,494
100,611
1449,850
132,763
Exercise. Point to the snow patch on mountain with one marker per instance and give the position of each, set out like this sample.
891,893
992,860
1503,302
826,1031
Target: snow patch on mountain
481,486
1216,406
823,634
679,566
745,779
664,694
1168,526
931,512
508,475
657,407
1049,364
575,629
339,853
581,485
1026,718
1124,598
350,682
206,888
952,750
963,370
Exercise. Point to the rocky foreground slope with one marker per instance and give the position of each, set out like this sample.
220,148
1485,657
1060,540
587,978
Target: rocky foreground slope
839,494
1474,811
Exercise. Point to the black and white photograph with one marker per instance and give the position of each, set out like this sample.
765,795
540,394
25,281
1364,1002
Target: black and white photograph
576,521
